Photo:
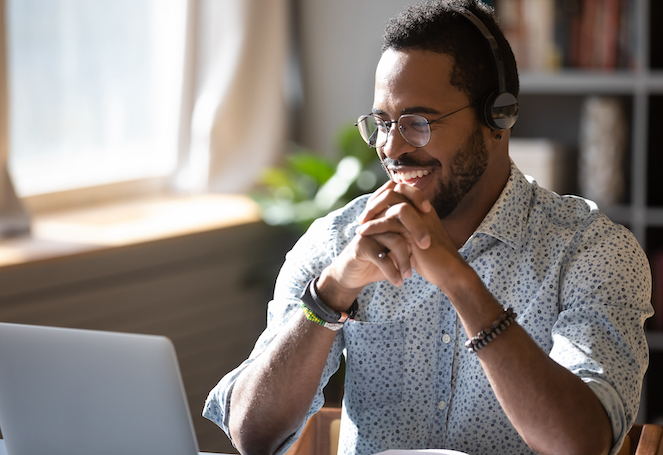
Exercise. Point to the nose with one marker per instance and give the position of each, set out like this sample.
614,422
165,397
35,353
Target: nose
396,145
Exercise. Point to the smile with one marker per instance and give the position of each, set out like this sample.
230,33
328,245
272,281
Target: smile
409,176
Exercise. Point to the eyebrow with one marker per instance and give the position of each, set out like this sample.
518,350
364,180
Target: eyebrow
411,110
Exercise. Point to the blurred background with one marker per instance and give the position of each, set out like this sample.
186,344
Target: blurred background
159,157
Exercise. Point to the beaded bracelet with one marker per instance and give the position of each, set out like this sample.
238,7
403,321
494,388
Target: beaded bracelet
311,316
486,336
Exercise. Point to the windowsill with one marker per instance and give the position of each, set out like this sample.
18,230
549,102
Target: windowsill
84,230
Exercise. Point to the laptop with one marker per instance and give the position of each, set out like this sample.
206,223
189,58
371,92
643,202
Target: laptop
85,392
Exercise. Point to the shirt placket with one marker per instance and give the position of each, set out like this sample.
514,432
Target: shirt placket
447,340
448,347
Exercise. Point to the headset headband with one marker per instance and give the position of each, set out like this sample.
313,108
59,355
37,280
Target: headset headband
497,55
500,109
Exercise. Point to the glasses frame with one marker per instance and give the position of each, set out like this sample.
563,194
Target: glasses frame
388,124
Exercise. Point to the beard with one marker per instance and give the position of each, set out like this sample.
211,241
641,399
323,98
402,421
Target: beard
468,164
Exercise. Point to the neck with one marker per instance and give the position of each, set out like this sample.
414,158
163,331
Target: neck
476,204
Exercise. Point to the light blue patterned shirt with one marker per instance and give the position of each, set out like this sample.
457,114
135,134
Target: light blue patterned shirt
580,284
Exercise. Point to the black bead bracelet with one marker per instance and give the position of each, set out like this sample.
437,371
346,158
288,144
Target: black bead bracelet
486,336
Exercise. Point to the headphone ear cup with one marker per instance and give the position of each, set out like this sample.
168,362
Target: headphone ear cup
500,111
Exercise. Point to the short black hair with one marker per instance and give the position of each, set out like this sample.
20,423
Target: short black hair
438,27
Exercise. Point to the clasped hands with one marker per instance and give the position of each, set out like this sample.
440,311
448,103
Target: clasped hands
400,231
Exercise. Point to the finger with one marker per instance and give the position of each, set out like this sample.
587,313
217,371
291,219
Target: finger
411,219
380,205
385,187
415,196
392,194
380,200
379,256
395,252
401,219
393,257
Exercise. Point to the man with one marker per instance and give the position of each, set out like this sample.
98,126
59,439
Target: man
492,316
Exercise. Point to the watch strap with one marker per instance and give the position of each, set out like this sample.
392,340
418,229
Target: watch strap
313,302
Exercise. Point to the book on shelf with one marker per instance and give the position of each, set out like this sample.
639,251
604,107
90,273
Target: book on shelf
546,161
603,144
547,35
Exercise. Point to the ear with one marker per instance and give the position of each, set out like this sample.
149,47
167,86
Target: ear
496,141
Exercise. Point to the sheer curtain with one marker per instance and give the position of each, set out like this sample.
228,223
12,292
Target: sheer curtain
234,115
14,219
235,118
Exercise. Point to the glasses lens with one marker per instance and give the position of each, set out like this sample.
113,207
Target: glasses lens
373,130
414,129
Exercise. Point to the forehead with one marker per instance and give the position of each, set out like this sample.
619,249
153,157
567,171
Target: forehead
408,78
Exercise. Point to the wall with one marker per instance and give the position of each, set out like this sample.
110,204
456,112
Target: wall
340,48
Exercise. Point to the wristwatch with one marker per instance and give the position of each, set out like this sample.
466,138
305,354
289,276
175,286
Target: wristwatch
318,307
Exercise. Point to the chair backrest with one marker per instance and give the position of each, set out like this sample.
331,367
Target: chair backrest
320,436
644,439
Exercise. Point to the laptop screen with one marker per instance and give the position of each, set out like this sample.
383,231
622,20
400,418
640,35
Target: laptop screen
84,392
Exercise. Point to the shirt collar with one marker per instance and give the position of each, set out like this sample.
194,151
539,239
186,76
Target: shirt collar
507,219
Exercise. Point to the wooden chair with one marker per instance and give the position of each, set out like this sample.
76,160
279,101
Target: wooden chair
644,439
320,436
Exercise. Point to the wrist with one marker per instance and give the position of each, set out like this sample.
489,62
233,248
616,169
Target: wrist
474,303
457,278
333,294
318,311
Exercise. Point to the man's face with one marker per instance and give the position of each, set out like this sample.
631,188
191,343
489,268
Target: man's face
451,165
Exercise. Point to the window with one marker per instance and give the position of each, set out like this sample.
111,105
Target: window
94,91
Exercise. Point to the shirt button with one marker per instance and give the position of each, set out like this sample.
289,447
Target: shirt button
442,405
446,338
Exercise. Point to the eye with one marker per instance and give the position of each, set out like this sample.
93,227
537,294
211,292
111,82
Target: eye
416,123
380,123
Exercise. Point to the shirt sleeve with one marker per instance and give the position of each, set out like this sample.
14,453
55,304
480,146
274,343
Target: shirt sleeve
314,251
599,334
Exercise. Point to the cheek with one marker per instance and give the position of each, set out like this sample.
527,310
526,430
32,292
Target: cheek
453,135
446,145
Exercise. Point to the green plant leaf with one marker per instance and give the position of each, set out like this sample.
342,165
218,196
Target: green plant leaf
312,165
308,185
275,177
351,144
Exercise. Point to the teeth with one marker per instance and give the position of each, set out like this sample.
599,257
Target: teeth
409,175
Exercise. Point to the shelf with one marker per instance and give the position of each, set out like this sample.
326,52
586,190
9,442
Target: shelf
655,341
625,214
622,214
552,107
577,82
655,217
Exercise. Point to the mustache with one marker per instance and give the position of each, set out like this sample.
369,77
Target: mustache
408,161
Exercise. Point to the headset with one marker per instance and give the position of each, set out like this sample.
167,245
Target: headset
499,108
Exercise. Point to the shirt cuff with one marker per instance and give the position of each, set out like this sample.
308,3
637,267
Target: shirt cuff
614,407
217,405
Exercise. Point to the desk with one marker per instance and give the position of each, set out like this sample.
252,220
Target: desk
3,449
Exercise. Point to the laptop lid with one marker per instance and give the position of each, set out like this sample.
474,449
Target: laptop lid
84,392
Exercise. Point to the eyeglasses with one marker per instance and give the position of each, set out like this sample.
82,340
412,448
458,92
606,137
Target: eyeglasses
414,128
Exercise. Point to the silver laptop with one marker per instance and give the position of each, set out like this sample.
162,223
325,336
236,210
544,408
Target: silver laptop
84,392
